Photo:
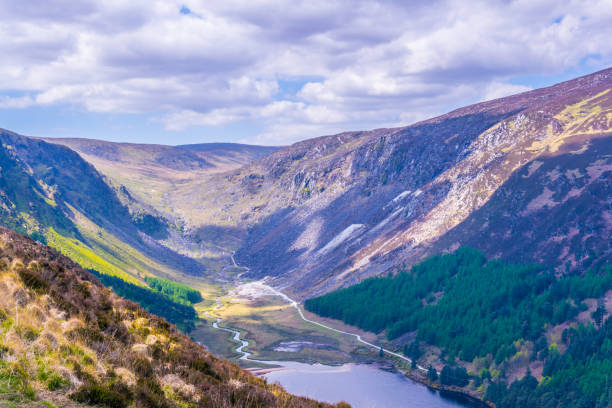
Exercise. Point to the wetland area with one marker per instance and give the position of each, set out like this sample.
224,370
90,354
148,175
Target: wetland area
265,331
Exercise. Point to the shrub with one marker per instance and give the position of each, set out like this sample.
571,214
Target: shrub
142,367
87,334
33,281
150,394
106,395
28,333
56,381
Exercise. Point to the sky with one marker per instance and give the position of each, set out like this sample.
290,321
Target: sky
276,72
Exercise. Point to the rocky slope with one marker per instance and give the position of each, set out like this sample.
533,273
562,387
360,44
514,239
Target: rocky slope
67,340
524,176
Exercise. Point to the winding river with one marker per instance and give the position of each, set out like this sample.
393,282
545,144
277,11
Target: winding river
361,385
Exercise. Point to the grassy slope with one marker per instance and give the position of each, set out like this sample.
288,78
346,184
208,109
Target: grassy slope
64,336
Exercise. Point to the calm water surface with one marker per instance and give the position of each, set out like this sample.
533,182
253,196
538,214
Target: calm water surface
362,386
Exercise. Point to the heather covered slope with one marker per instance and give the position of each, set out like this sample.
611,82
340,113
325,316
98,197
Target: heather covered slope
362,203
526,175
557,210
69,341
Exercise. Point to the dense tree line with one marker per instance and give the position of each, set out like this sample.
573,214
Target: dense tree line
182,315
464,304
179,293
457,376
471,307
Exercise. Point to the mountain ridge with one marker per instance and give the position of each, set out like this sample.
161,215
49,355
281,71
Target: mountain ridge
555,99
371,200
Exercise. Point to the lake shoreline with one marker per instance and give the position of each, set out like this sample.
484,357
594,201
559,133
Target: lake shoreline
454,392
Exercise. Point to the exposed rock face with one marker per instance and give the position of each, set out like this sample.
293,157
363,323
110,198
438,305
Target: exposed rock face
525,176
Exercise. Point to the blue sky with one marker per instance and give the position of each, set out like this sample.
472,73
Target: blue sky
275,72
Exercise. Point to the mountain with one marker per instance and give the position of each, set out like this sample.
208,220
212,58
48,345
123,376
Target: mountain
154,173
50,193
70,342
524,178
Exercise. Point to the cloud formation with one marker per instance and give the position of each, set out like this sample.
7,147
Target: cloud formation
298,68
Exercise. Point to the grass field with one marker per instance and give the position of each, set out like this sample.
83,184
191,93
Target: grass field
268,323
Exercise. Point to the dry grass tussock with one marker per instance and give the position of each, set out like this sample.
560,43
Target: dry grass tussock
66,339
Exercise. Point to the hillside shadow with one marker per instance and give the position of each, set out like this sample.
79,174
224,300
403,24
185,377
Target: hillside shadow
418,154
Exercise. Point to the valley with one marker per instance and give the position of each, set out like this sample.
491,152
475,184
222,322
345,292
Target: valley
471,251
300,366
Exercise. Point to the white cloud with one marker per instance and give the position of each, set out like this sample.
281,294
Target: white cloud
500,89
17,102
381,63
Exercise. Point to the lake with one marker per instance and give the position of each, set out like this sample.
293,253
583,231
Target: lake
362,386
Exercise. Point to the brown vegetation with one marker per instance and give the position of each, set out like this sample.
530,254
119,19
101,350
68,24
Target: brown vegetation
64,334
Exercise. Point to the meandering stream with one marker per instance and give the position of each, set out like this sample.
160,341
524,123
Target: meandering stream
243,343
361,385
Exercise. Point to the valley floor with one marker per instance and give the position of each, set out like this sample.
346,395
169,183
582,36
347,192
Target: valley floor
275,332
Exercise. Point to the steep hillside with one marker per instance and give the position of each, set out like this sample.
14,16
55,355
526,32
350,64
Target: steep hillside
557,210
68,341
525,176
330,211
49,192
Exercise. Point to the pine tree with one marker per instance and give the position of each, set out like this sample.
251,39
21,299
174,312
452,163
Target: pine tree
446,376
432,374
600,312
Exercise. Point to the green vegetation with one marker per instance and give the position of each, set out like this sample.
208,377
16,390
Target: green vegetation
15,384
580,377
181,314
464,304
457,376
112,395
84,255
177,292
51,379
491,311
